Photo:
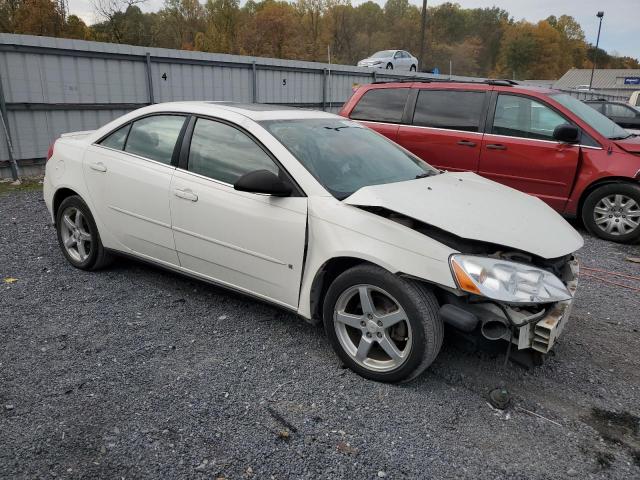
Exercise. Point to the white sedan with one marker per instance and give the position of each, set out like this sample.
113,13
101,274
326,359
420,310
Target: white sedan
322,217
391,60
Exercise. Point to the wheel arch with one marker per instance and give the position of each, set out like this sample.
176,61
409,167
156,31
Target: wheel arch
326,274
59,196
597,184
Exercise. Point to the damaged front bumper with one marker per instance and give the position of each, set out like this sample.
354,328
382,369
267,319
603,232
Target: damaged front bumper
535,327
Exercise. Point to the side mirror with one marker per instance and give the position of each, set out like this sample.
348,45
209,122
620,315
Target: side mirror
566,133
262,181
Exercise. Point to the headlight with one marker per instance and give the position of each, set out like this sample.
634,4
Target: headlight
507,281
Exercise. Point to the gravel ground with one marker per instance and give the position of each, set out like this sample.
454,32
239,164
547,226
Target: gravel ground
135,372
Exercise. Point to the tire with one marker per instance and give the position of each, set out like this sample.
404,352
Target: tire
612,212
389,66
412,68
417,337
78,235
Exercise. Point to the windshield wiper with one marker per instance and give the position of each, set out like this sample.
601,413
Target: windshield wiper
426,174
620,138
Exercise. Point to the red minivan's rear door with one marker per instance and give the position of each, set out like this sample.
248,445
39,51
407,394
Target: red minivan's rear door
446,127
518,150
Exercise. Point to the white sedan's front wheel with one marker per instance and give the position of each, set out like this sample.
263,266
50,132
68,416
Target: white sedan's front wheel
383,327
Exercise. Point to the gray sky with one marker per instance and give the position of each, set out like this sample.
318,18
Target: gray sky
620,27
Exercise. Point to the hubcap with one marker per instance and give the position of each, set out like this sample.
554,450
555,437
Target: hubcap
617,214
75,234
372,328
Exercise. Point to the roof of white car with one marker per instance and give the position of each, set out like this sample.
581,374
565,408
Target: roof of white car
254,111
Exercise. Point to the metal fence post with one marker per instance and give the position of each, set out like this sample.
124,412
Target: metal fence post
324,89
254,83
149,79
15,174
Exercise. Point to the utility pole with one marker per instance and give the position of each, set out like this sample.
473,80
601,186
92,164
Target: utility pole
595,52
423,28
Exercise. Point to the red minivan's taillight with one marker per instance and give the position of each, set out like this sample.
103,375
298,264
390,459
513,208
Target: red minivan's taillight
50,151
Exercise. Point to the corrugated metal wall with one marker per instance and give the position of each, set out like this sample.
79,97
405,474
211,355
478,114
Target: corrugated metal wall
54,85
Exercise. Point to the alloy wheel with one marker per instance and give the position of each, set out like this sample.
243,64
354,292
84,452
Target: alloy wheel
74,231
372,328
617,214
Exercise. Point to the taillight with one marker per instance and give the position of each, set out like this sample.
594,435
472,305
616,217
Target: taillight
50,151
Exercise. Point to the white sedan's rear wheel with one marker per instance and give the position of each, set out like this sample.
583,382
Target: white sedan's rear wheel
382,326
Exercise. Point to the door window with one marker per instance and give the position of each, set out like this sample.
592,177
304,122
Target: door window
381,105
597,106
523,117
449,109
616,110
224,153
155,137
116,139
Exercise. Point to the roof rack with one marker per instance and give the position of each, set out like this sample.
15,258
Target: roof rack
489,81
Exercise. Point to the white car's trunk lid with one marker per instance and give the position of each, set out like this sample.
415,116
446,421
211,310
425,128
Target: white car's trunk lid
474,208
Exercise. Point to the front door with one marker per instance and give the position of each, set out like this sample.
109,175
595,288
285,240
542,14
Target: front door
248,241
520,150
446,130
128,176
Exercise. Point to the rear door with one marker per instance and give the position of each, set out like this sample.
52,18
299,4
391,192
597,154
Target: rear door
128,174
518,149
446,128
382,110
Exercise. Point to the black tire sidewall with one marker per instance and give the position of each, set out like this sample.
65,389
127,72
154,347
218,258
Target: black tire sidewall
412,68
592,200
77,202
396,288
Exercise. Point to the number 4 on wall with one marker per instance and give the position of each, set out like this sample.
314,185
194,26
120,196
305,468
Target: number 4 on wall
164,76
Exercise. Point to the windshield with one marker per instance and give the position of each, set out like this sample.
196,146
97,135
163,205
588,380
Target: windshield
344,156
592,117
382,54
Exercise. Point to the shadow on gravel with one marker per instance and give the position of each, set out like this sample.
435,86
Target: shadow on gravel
618,429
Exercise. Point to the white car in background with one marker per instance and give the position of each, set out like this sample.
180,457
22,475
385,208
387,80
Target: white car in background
391,60
320,216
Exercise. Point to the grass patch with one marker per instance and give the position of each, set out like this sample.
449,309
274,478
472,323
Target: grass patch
26,185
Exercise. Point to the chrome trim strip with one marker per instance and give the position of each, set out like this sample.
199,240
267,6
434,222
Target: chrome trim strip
140,217
230,246
493,135
443,129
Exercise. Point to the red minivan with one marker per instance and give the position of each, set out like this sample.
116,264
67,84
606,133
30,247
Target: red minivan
540,141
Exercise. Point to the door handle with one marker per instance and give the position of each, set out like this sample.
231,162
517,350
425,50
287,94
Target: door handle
98,167
186,194
496,146
467,143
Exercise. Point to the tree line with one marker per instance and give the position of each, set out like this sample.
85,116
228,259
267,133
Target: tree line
477,42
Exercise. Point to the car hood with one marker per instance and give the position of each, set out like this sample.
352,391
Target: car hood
631,144
475,208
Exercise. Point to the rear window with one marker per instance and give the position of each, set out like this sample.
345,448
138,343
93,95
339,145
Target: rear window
381,105
450,109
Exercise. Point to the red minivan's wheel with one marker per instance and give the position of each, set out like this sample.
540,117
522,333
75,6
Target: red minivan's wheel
612,212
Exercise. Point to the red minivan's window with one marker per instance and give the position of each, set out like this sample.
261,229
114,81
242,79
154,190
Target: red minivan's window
381,105
451,109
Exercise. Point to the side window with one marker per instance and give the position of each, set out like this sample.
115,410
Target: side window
155,137
116,139
224,153
616,110
454,110
381,105
597,106
523,117
398,55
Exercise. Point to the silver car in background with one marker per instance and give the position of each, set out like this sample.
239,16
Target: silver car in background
391,60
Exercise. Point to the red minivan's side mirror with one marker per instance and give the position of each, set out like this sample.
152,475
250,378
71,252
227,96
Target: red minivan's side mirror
566,133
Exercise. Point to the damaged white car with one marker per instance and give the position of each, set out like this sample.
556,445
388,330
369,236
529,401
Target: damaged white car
323,217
